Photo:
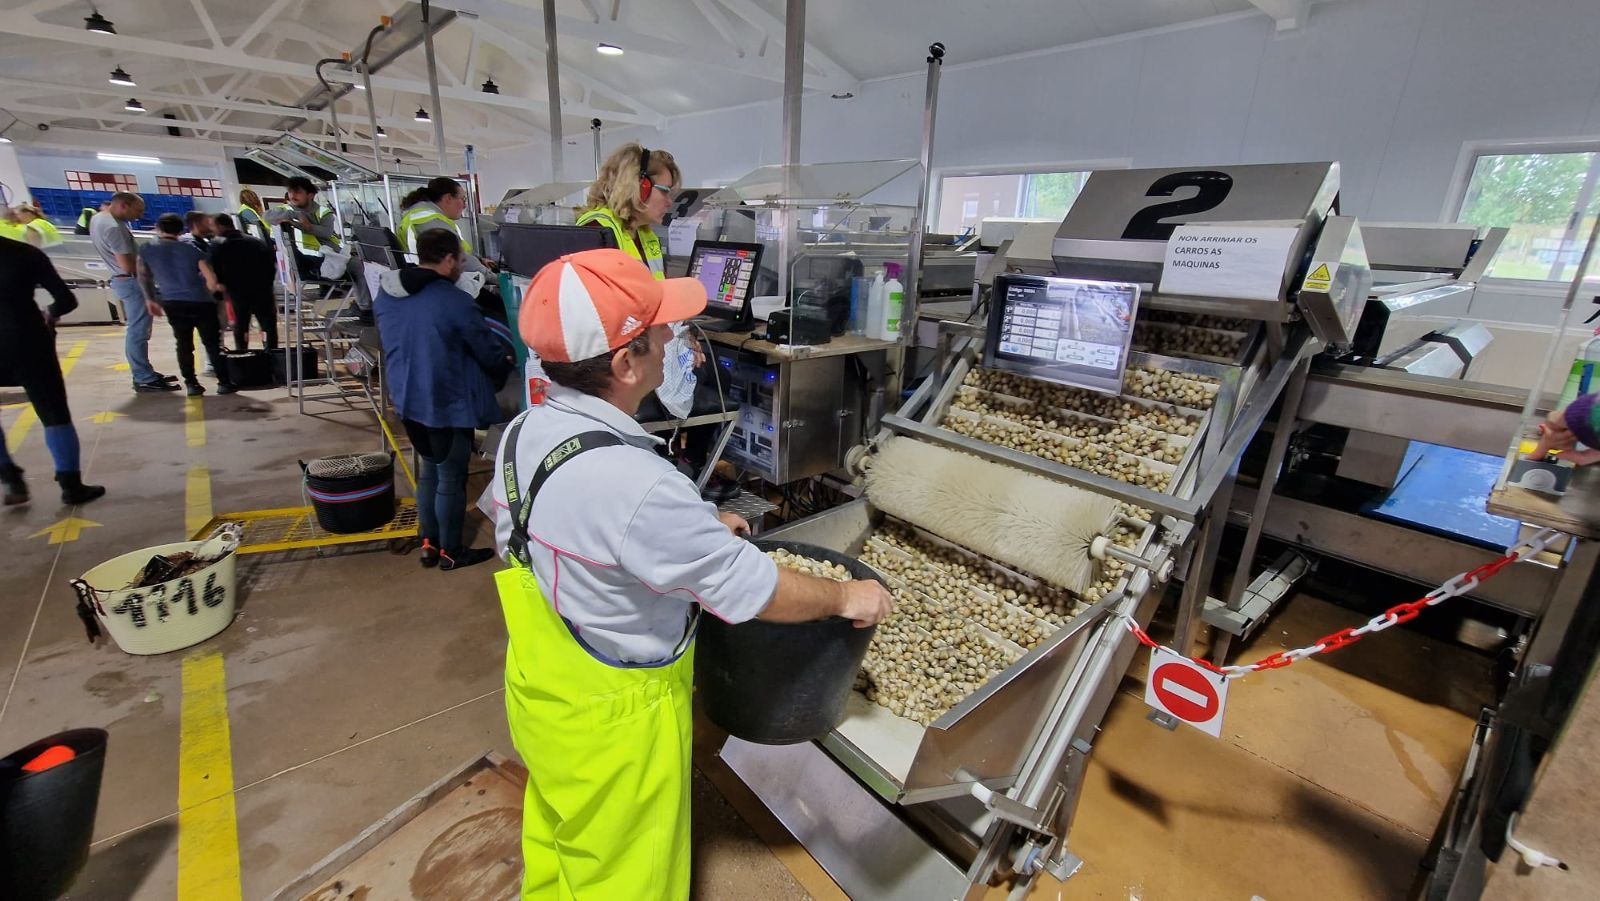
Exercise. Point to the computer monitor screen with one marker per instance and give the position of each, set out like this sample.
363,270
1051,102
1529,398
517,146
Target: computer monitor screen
525,249
1063,330
728,271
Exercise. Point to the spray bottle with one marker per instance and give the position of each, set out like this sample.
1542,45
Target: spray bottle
875,299
894,301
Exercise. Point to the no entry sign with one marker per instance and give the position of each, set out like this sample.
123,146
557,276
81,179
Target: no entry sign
1186,690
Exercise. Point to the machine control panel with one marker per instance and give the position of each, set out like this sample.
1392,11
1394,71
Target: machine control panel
1070,331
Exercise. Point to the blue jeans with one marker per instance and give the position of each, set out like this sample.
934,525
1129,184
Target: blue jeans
136,343
442,483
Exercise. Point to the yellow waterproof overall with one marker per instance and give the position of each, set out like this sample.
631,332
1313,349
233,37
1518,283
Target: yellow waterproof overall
606,813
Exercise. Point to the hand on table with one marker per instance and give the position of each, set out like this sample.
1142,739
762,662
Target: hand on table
1555,436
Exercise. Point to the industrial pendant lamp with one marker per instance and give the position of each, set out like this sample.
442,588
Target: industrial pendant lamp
489,87
608,49
382,133
422,115
98,23
133,105
118,76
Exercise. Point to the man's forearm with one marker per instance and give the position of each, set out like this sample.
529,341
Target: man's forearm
147,282
800,598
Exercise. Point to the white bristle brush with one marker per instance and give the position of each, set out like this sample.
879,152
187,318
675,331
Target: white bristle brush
1043,527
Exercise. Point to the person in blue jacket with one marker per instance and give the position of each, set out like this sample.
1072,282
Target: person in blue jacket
444,364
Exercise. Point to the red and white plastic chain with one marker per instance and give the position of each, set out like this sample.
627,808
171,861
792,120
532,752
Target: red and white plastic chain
1400,613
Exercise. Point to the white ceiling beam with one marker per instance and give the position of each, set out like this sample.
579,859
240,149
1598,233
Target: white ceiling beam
267,17
123,44
532,58
709,54
242,130
36,89
836,77
1287,15
718,19
206,23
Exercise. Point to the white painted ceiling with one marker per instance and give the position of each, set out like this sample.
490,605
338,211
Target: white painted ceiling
224,67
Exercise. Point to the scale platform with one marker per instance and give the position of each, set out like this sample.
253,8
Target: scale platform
1444,491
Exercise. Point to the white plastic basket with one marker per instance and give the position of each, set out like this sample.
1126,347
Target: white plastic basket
170,615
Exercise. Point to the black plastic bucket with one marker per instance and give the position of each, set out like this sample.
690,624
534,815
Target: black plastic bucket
47,818
351,492
249,368
309,363
781,683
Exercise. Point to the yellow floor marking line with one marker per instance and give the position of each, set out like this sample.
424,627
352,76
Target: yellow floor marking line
208,825
27,419
194,421
197,498
68,529
119,367
105,417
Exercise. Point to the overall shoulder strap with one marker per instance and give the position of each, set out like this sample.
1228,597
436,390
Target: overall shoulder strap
521,502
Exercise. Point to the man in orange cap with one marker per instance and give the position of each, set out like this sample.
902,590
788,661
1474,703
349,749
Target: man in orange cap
614,557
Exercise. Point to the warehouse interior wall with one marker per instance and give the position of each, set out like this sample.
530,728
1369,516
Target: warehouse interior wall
1390,88
47,169
11,177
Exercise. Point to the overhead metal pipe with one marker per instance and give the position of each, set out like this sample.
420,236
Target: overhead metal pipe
333,101
919,219
594,126
433,89
794,83
552,79
366,81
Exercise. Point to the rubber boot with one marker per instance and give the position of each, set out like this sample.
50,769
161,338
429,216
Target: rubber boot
73,491
16,490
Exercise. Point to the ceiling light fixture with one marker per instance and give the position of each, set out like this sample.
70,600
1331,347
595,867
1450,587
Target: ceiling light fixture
358,85
3,138
422,115
489,87
608,49
125,158
98,23
382,133
118,76
133,105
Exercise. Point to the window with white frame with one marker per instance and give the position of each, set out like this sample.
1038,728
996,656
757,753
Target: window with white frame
1547,194
967,198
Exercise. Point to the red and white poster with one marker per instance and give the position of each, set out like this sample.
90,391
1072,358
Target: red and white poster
1186,690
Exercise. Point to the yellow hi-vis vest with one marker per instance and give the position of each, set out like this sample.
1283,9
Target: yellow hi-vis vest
414,217
308,242
85,216
49,235
648,248
251,223
16,231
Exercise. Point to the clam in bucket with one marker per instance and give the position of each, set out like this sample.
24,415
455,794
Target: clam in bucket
169,615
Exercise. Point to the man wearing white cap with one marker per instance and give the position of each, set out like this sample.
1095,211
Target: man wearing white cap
614,557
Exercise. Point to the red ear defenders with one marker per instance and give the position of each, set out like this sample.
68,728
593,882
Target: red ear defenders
646,183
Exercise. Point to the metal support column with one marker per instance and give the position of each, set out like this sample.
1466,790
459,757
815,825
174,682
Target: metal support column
594,126
794,82
552,81
919,218
372,117
1281,433
433,88
1197,582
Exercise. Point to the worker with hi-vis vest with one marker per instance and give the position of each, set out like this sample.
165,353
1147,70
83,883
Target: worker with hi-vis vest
437,205
630,196
253,217
81,227
10,226
314,227
36,229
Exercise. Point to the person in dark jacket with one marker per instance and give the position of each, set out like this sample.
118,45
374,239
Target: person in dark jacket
443,363
247,269
28,358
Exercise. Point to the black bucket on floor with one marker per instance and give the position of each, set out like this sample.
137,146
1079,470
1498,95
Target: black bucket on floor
47,817
781,683
309,365
249,368
351,492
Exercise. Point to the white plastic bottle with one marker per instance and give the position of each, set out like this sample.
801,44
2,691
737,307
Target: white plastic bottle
894,302
875,306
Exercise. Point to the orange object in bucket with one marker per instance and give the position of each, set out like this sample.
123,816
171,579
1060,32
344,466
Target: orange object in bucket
53,756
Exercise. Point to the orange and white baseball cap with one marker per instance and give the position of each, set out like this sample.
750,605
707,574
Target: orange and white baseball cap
585,304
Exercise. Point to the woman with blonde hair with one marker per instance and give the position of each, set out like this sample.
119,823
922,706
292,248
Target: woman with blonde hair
252,217
36,229
631,196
